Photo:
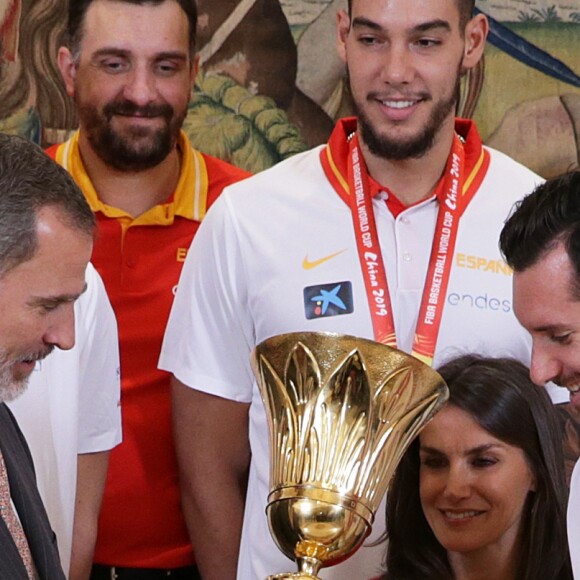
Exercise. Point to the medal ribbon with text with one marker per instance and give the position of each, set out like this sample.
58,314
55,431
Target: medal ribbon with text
440,261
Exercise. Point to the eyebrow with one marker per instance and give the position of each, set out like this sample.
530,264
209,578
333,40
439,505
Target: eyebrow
112,51
433,25
362,22
473,451
551,328
58,299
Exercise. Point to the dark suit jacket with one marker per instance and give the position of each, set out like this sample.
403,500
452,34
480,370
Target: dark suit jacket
25,496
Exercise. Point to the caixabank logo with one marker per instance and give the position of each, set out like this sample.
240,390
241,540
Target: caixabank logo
328,300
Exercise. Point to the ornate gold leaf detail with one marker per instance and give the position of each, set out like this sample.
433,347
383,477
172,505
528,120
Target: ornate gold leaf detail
342,433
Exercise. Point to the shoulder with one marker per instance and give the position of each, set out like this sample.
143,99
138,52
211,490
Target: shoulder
52,150
220,174
220,169
293,187
504,183
510,173
292,174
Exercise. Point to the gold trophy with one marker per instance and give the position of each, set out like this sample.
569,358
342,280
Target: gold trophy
341,413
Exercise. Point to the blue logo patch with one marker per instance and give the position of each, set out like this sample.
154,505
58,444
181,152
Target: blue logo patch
328,300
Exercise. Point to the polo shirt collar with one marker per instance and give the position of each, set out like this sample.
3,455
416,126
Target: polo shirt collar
334,156
189,199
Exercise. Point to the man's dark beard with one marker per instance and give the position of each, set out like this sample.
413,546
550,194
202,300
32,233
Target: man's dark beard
398,150
123,152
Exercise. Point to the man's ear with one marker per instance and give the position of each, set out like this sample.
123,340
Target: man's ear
476,33
342,30
68,69
194,69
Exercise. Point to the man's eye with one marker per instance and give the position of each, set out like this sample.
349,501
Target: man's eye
368,40
113,66
167,68
561,338
427,42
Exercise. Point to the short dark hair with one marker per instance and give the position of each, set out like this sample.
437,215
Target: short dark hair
77,10
29,181
465,10
501,397
548,216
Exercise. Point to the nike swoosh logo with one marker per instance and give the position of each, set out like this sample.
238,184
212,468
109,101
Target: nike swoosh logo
308,265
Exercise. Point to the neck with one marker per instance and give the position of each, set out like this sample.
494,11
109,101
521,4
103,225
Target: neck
414,179
132,192
484,564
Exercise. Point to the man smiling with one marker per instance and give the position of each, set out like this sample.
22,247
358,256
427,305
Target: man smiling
404,187
541,242
130,66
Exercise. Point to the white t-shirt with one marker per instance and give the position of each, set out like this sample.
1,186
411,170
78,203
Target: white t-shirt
72,406
574,521
249,275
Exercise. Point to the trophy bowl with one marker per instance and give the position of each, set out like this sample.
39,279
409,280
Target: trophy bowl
341,413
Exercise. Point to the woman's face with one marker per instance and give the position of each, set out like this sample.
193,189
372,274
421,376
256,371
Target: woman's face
473,487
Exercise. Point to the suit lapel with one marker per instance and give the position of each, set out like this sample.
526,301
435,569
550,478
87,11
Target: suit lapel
27,500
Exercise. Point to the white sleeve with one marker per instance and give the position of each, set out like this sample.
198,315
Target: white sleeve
99,396
209,335
574,520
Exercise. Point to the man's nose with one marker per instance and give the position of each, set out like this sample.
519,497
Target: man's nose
61,332
544,367
397,67
140,87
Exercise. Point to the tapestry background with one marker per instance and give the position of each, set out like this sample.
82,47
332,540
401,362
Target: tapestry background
271,84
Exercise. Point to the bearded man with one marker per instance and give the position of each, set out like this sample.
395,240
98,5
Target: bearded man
130,67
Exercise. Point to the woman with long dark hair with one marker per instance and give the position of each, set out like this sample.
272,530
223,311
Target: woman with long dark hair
481,494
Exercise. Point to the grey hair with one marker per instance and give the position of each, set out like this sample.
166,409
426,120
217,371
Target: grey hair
29,181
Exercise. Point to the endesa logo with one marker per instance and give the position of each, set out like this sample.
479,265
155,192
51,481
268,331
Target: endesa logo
483,301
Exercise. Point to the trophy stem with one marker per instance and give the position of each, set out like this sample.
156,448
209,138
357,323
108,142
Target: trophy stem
309,567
